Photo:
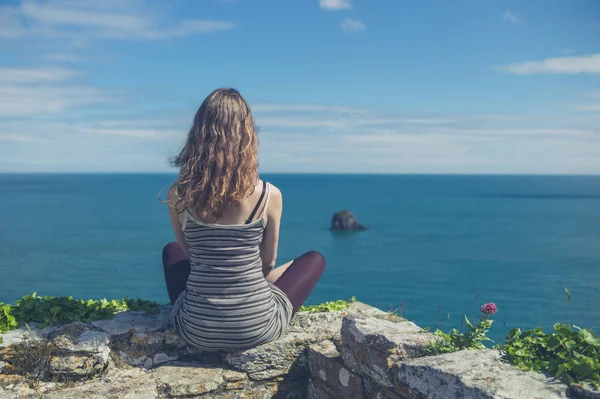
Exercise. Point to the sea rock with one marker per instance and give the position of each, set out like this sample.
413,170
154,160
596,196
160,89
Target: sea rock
472,374
345,220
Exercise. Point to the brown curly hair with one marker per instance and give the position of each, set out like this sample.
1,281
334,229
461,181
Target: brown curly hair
219,161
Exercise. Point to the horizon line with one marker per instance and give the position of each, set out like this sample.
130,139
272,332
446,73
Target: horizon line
318,174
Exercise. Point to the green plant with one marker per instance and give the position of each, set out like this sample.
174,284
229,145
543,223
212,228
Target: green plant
328,306
569,296
473,338
570,354
49,310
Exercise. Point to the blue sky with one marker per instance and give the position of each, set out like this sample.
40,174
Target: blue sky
336,86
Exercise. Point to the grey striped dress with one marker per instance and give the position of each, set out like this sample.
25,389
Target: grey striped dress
227,303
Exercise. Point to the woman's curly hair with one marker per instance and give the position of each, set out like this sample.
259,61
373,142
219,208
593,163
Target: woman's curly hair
219,161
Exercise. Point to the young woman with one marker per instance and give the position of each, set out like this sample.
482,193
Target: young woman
220,272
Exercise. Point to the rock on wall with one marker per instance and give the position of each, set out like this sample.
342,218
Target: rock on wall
362,352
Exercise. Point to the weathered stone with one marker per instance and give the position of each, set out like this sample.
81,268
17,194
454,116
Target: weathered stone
77,337
475,374
81,352
371,346
140,348
173,340
12,386
123,322
287,354
380,358
319,390
345,220
25,333
186,380
325,364
4,394
137,387
372,390
271,360
362,309
74,366
583,391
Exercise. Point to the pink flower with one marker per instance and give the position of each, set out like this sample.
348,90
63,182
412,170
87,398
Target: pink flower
489,308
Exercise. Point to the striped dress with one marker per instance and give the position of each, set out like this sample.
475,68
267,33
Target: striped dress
228,303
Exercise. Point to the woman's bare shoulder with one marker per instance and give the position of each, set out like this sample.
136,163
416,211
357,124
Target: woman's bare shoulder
172,193
276,196
172,197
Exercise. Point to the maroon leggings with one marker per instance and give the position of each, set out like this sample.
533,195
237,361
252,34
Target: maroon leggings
297,282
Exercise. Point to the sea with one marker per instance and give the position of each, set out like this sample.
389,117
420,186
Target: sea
436,248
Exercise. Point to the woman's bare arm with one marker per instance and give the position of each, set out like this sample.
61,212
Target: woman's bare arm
270,242
176,220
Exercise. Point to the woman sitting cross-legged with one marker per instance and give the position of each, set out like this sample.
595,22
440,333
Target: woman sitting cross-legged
220,273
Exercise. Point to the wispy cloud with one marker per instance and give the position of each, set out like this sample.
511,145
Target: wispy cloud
334,4
71,57
562,65
352,25
27,101
320,138
85,19
34,75
511,17
33,91
291,107
593,104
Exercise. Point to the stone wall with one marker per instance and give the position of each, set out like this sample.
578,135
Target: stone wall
358,353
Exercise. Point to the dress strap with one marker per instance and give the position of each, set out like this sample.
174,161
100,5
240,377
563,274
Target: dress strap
185,219
264,212
262,195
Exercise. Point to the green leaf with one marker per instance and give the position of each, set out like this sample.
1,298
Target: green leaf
467,322
568,294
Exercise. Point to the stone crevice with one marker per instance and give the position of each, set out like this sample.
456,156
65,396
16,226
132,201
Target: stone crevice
361,352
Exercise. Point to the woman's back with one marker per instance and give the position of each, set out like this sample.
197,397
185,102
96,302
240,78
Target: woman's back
227,302
220,274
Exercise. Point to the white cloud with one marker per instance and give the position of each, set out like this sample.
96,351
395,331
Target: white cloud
84,19
270,107
305,137
593,105
562,65
34,91
590,107
70,57
27,101
335,4
128,131
352,25
35,75
511,17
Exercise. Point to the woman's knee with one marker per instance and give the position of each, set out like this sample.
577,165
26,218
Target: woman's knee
172,253
315,258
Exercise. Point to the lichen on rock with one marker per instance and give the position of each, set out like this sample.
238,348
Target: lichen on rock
359,352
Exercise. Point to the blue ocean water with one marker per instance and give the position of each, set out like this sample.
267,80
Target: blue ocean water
438,247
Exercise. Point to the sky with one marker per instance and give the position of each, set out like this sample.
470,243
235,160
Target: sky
336,86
